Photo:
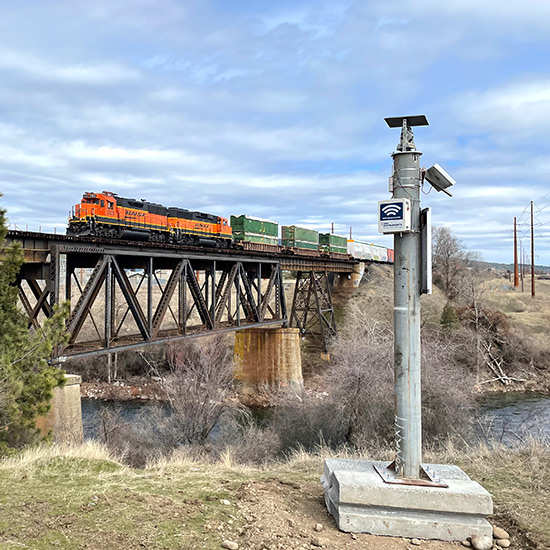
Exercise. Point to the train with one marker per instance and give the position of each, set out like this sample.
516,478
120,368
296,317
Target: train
107,215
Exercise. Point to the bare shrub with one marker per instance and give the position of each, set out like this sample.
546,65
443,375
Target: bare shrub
359,408
307,421
248,443
199,385
448,400
200,407
129,440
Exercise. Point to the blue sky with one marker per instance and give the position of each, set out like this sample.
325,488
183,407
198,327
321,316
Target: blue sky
276,109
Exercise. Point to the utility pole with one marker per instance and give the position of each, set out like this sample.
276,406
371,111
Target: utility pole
532,254
516,274
407,289
403,217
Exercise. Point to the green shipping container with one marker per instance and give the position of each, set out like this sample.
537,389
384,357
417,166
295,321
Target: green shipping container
292,233
246,228
333,243
254,238
291,243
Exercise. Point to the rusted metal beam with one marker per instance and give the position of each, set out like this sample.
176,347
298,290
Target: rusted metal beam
312,310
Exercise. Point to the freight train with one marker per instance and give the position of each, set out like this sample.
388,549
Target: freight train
109,216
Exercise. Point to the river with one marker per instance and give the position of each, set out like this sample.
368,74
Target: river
511,417
505,417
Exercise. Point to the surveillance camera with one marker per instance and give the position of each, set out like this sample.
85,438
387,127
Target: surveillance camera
439,179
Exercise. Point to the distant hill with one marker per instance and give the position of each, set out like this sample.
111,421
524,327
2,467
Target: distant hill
510,267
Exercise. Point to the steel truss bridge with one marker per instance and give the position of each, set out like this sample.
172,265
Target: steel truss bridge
125,294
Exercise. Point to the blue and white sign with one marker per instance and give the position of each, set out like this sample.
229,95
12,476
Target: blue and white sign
394,216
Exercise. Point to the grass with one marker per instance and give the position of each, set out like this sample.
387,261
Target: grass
82,497
524,310
77,500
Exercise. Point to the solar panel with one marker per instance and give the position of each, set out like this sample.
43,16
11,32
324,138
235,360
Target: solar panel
414,120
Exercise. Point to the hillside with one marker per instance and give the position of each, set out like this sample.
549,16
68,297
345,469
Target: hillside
83,498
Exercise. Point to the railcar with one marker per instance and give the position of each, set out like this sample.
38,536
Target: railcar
110,216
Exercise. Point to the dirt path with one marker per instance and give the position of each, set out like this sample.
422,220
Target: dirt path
281,515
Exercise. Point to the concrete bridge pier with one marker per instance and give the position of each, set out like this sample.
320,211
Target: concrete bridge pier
64,419
268,359
350,281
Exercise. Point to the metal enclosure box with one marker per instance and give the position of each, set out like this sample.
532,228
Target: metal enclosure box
394,216
426,265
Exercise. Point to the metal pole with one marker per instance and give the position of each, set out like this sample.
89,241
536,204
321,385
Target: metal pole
516,273
532,254
407,287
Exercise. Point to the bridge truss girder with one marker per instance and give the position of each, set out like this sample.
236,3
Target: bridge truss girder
312,310
123,301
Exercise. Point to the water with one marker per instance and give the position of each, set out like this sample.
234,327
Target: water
506,417
92,407
511,417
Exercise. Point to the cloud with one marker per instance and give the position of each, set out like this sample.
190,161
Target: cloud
515,109
275,108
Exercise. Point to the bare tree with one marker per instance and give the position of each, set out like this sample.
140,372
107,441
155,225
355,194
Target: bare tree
451,261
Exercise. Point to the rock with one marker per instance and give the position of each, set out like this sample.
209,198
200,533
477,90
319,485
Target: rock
230,545
415,542
500,533
318,527
353,536
291,522
503,543
225,502
482,542
466,543
319,541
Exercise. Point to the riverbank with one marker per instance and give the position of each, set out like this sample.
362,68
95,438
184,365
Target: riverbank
181,503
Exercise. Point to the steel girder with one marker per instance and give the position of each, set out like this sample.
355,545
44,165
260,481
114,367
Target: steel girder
312,310
124,301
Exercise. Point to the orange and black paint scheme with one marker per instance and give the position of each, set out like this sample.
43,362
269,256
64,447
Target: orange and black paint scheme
109,216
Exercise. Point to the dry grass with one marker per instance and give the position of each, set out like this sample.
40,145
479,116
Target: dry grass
523,309
29,459
81,497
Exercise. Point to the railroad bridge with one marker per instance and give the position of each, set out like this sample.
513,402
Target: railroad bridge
126,295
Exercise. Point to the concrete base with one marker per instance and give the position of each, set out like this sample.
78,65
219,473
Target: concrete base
362,502
267,359
64,419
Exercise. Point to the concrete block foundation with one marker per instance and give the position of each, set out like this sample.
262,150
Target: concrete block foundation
64,419
361,502
268,358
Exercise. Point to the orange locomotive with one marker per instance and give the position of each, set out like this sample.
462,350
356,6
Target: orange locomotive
108,215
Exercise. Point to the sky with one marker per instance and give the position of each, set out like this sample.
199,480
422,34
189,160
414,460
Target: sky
276,109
